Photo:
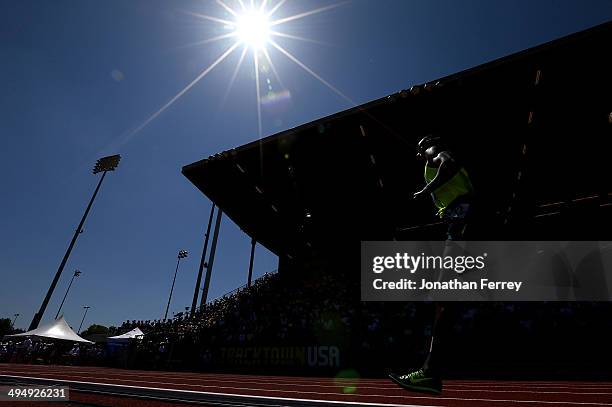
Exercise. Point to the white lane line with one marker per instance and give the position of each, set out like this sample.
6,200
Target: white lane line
200,376
392,387
333,381
329,381
527,386
529,391
275,378
241,388
213,378
538,383
224,394
435,398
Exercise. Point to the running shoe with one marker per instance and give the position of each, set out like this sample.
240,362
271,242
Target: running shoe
418,380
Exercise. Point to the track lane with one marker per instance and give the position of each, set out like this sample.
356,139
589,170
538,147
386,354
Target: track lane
456,393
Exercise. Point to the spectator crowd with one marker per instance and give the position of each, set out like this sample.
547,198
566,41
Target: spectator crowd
325,309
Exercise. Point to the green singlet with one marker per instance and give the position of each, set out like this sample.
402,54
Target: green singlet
458,185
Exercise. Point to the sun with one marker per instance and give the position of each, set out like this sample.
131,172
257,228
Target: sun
253,29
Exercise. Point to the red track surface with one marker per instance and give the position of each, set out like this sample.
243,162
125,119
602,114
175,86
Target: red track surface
457,393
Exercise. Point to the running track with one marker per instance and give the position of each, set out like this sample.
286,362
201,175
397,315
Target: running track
165,388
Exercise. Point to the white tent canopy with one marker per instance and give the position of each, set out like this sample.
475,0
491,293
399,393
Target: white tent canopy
133,334
57,329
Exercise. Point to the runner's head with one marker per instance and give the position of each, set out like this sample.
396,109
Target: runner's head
426,143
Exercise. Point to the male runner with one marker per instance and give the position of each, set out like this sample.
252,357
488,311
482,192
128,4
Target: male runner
450,187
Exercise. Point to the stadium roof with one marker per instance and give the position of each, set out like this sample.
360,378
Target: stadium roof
515,121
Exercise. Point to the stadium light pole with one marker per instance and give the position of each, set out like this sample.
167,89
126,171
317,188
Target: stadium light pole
13,324
76,274
211,259
202,262
253,243
103,165
181,255
86,307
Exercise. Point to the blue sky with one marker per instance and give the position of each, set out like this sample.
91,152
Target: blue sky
77,77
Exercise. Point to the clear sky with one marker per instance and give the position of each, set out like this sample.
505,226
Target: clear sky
81,79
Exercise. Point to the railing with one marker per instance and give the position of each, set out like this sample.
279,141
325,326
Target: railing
542,209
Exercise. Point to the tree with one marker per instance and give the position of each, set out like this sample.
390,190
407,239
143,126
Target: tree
5,327
95,329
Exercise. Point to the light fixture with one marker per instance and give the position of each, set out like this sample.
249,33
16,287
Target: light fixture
107,163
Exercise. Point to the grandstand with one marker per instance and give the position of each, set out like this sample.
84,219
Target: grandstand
530,128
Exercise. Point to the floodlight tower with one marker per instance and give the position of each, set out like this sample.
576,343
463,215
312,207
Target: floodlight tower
76,274
181,255
103,165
